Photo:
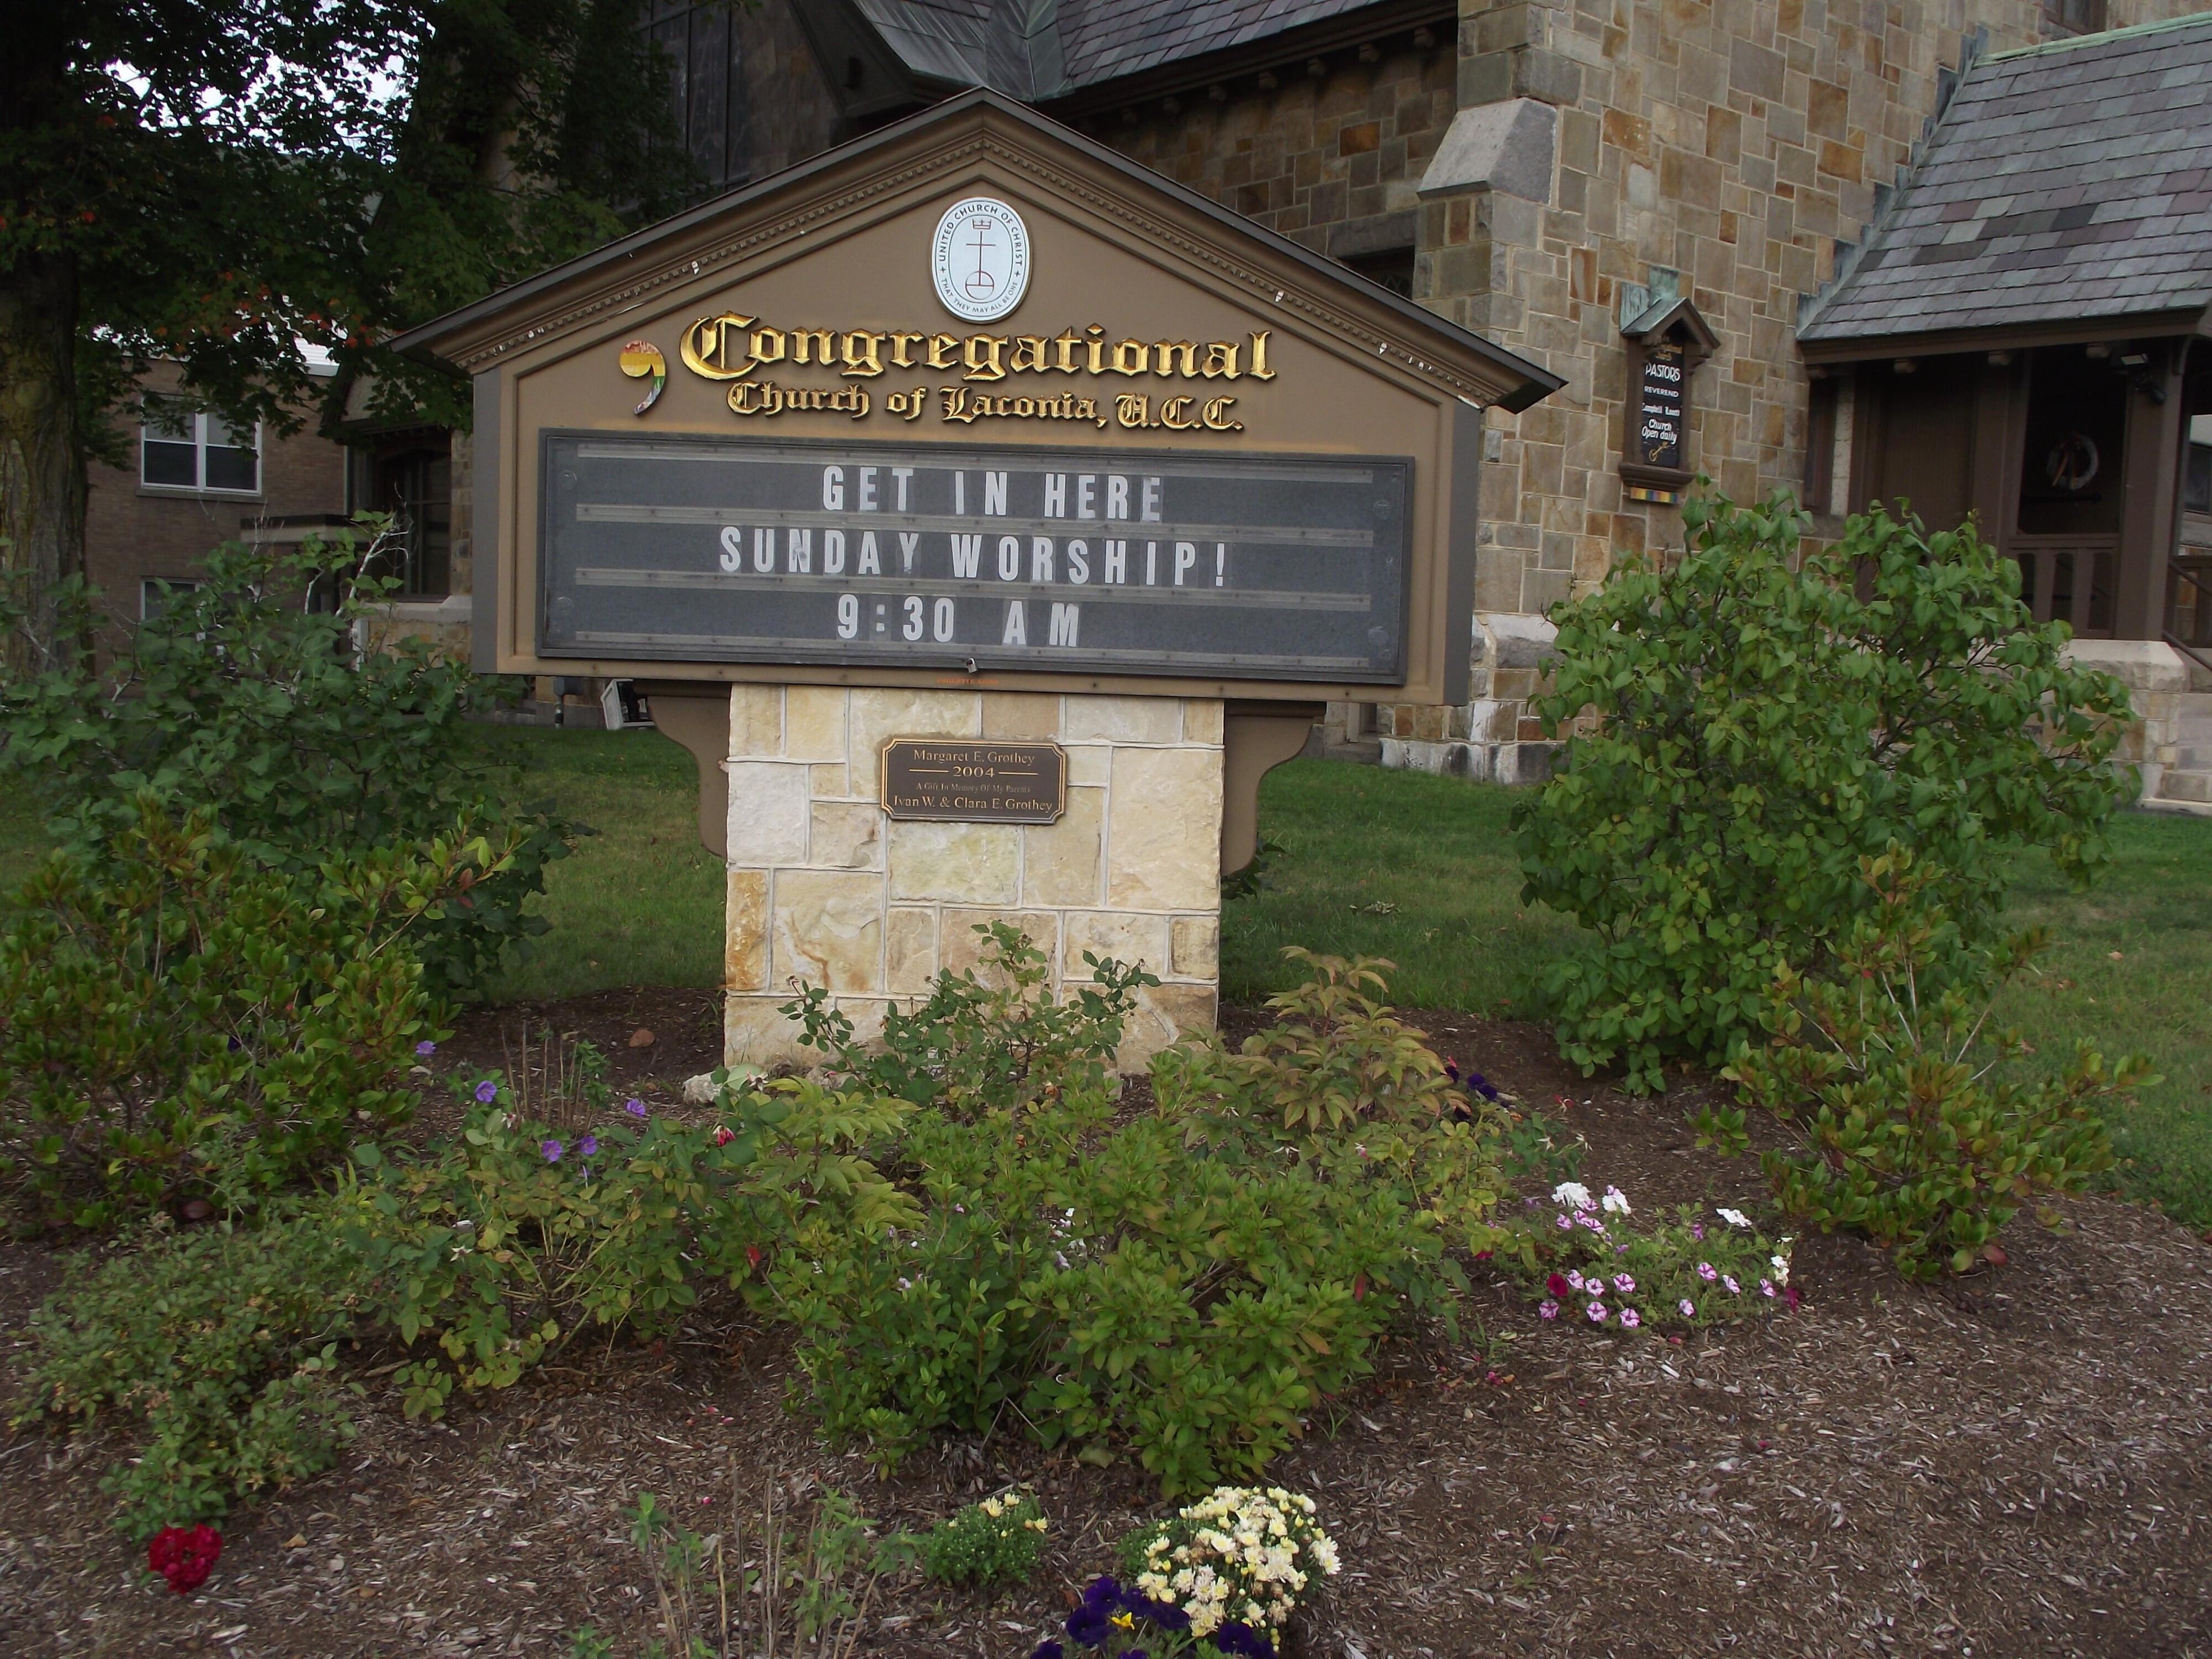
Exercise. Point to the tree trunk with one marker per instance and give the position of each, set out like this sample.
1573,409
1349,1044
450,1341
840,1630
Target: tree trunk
42,483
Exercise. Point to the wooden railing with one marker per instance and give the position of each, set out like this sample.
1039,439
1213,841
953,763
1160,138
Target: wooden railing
2071,578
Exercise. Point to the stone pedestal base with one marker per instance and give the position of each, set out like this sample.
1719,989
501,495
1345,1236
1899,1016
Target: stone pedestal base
824,890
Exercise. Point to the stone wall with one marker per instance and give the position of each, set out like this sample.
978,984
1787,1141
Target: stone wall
1329,159
1733,142
824,888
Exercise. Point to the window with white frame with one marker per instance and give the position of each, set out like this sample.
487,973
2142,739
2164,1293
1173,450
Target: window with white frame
183,448
157,593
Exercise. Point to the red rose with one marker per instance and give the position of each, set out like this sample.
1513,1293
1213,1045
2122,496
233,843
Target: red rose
184,1557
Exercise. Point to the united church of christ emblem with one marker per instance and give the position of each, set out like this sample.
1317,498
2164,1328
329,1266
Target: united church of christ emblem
980,258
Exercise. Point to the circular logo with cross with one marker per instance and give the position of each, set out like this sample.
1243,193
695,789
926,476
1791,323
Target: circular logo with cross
980,258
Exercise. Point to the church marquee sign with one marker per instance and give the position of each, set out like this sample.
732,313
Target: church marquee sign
975,400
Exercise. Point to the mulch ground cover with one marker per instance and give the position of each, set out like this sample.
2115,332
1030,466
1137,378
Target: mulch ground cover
2013,1463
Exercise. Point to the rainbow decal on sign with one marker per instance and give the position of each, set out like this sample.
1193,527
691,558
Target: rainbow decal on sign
641,358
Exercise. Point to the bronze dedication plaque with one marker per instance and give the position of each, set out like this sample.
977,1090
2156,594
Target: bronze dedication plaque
971,780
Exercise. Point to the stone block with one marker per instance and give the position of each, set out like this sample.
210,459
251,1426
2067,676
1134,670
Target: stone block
847,835
745,930
1026,716
754,1033
1112,936
1089,763
1164,1015
814,722
830,780
756,721
1122,719
828,929
1061,862
960,947
1504,146
1201,720
1196,947
768,813
1163,838
964,863
880,714
909,951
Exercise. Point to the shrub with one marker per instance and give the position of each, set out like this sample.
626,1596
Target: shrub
1917,1140
1237,1556
220,1344
177,1023
263,698
988,1038
505,1243
1185,1285
1764,722
998,1541
1593,1263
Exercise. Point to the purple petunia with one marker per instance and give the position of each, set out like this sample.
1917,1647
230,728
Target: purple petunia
1631,1318
487,1092
634,1107
1707,1272
1733,1289
1548,1309
1689,1309
1767,1287
1624,1282
1597,1313
589,1146
552,1151
425,1049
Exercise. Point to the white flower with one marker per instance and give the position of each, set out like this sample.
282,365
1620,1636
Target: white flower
1733,1217
1781,1268
1616,1200
1572,1192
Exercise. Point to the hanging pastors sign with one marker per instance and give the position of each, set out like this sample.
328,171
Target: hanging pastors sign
1235,567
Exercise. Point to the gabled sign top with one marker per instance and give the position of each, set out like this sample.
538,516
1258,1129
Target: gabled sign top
960,138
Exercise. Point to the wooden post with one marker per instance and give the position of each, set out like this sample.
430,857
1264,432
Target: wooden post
2150,509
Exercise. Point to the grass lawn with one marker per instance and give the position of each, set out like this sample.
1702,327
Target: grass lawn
1403,865
1419,870
640,902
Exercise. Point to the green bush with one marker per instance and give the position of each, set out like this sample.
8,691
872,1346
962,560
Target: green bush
501,1246
1185,1285
988,1038
250,698
1762,722
177,1023
998,1541
1918,1140
220,1344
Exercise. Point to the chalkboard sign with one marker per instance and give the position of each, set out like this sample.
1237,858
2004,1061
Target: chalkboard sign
1229,565
1658,441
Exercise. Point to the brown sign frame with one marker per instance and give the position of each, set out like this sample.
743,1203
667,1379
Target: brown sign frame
1208,330
998,748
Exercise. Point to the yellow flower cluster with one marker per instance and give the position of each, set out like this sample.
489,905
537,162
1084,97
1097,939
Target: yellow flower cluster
1238,1554
997,1507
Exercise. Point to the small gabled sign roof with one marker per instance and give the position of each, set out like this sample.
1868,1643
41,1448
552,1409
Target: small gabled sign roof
982,125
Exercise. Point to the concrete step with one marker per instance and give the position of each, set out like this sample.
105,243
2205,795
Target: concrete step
2175,784
1366,751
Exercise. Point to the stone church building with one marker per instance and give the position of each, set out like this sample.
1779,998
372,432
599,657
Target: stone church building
1703,197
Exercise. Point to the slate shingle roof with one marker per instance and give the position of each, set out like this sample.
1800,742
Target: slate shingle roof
1041,49
2066,181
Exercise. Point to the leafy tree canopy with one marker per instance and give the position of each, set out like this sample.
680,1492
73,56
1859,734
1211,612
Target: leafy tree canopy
215,181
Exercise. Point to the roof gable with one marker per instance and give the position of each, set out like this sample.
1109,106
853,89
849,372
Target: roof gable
2068,182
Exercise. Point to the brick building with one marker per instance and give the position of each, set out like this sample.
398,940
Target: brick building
191,482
